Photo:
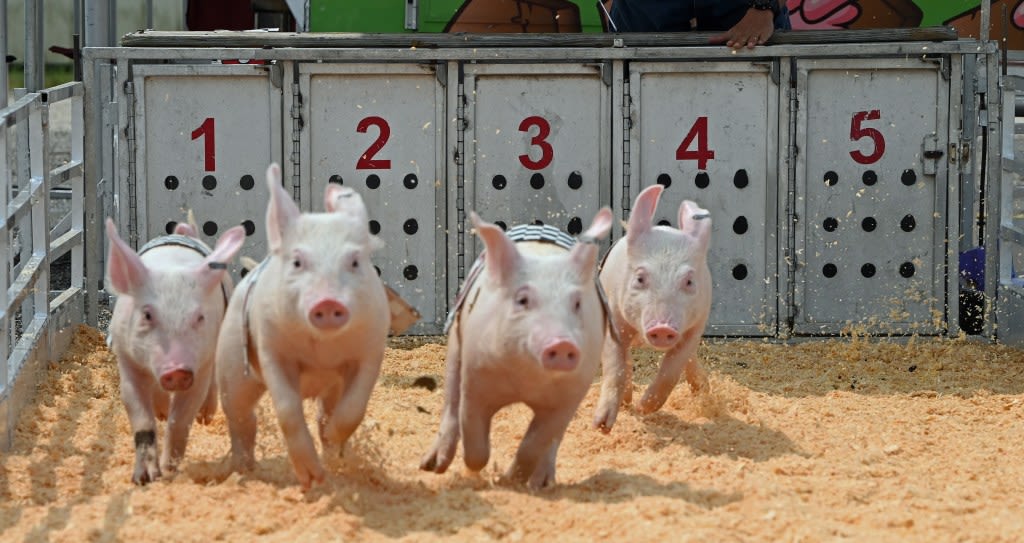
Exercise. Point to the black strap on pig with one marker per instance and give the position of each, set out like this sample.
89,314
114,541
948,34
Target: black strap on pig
531,232
189,243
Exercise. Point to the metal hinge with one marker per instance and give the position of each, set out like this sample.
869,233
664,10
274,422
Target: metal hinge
296,154
461,124
133,180
790,255
627,127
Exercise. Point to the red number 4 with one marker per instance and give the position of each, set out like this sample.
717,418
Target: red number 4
858,132
702,154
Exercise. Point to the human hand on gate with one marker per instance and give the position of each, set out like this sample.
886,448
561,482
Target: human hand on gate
753,29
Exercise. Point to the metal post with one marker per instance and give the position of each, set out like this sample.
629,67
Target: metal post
92,173
35,64
149,14
99,26
3,73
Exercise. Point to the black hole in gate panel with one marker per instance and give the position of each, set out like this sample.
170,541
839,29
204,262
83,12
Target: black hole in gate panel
411,181
538,222
171,182
909,177
831,178
907,269
243,272
250,227
499,182
501,224
829,270
410,272
411,226
830,224
740,225
575,180
741,179
374,227
209,182
869,177
373,181
702,180
665,180
869,224
868,270
537,181
336,179
169,227
908,224
739,272
378,270
664,222
575,226
247,182
210,228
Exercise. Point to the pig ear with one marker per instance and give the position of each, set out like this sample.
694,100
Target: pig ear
188,228
214,266
344,200
501,256
584,253
281,211
643,212
125,269
695,222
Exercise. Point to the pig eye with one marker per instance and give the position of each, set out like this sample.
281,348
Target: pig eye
523,298
576,307
296,263
355,263
200,319
640,279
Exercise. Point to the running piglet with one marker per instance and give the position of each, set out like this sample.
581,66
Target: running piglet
527,327
172,296
659,288
310,321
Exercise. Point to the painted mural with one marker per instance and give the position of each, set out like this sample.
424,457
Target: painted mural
585,16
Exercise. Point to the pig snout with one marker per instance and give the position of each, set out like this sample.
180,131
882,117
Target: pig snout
328,314
176,380
661,336
560,355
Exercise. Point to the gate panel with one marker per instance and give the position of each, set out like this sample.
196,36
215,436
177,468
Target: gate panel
537,145
206,135
871,178
710,133
380,130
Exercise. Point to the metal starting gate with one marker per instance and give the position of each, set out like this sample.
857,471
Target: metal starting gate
833,173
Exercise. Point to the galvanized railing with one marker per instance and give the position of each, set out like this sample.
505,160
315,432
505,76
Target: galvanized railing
1010,327
36,322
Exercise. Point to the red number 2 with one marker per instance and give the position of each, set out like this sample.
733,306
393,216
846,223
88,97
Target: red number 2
366,161
540,140
702,155
857,132
209,147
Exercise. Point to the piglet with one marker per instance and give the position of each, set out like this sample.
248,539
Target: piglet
659,290
310,321
527,329
171,301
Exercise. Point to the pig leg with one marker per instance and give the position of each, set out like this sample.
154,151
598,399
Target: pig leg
184,408
672,366
161,403
209,407
540,441
283,383
239,394
137,392
475,420
442,452
544,476
348,411
616,381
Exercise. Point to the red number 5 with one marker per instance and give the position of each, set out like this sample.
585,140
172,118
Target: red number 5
858,132
540,140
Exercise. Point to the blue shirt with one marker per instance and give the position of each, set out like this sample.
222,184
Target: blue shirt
675,15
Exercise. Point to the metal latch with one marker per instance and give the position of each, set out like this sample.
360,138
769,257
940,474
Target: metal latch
931,153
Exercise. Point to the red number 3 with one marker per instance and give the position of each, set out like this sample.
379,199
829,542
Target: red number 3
540,140
858,132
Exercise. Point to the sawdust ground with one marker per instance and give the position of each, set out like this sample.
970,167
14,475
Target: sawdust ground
828,440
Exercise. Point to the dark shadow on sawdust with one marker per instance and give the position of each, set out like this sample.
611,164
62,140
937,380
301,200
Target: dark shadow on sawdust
722,436
611,486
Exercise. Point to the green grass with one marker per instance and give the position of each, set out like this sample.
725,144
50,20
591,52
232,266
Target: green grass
56,74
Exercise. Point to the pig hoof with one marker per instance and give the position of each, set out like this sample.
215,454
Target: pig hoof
143,476
435,462
604,419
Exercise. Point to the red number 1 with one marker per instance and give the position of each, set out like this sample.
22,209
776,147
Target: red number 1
209,147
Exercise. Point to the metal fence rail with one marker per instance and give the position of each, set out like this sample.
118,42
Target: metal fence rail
36,323
1011,225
